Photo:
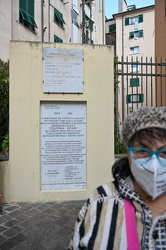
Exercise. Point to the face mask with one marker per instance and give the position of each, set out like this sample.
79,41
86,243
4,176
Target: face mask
151,176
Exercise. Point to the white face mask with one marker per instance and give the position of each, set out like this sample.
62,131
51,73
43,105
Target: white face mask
151,176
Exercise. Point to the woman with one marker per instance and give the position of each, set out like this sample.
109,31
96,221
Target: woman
130,212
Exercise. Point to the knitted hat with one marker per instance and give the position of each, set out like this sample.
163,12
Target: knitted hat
143,118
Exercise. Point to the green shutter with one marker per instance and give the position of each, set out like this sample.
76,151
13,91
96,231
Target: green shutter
26,8
126,21
128,99
58,15
23,4
26,17
31,7
134,82
140,18
140,33
135,98
57,39
112,27
131,34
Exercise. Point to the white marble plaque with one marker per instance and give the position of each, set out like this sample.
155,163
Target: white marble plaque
63,70
63,146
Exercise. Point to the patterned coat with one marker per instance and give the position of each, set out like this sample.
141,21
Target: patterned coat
101,222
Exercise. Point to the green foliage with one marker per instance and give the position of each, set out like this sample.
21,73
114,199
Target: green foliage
119,145
4,100
5,142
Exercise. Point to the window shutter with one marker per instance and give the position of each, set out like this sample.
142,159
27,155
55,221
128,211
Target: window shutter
31,7
112,27
135,98
126,21
134,82
22,4
140,33
140,18
131,34
57,39
128,98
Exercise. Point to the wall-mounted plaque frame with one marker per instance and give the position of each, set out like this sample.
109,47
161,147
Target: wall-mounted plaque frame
63,70
63,145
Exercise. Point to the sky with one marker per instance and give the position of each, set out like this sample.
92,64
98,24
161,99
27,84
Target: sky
111,6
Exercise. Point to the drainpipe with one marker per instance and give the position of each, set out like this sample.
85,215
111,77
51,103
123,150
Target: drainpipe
49,21
83,21
103,17
90,19
42,22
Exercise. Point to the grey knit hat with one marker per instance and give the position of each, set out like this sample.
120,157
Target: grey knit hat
142,118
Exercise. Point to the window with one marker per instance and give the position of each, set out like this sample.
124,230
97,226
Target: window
58,18
136,34
134,82
26,14
112,27
134,98
134,67
131,7
74,17
133,20
89,23
57,39
134,50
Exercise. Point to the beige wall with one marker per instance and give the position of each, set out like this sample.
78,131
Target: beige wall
21,180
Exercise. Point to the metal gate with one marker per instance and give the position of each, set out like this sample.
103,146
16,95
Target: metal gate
137,82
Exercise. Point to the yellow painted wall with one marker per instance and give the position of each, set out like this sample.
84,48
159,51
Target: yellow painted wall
22,173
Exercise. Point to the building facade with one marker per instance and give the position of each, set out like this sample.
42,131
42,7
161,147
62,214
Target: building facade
133,33
67,21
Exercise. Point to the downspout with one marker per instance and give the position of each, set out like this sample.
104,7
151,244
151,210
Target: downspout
90,20
123,106
42,22
83,22
49,21
122,38
103,17
12,20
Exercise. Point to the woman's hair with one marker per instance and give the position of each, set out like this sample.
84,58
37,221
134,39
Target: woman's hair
121,168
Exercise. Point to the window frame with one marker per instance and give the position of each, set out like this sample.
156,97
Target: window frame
74,17
134,67
136,19
133,49
135,98
58,18
136,34
26,18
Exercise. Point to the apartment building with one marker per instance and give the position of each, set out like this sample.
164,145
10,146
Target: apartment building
67,21
132,31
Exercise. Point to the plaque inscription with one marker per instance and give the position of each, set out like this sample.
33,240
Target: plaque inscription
63,146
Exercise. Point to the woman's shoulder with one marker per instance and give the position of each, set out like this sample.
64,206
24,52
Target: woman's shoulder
103,193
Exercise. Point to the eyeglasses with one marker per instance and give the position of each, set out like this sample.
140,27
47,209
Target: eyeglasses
143,155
